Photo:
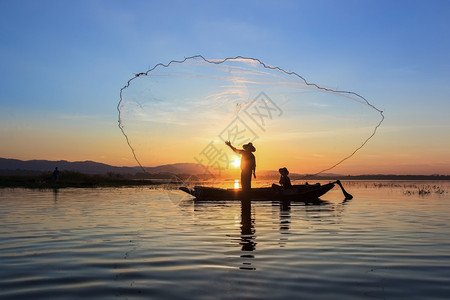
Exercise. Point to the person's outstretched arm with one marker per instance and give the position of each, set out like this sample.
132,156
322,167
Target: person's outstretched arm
228,143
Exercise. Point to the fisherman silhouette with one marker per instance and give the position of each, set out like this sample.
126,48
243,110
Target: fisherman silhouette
248,164
56,174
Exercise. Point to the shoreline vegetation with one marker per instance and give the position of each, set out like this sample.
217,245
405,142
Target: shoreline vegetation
69,179
73,179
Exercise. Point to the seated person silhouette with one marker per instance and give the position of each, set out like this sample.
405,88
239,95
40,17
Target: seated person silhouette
285,182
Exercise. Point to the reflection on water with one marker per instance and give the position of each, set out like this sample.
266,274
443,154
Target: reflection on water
285,220
55,194
148,243
247,233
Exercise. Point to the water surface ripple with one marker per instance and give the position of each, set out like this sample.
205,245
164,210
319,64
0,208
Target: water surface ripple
140,243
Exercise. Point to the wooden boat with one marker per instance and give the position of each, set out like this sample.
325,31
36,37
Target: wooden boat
304,192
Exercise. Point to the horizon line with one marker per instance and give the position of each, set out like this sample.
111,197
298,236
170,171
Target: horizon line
197,164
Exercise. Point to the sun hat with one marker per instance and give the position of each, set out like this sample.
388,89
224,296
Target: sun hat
249,146
283,170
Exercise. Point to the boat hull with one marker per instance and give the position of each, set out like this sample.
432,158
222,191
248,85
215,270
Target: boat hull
295,193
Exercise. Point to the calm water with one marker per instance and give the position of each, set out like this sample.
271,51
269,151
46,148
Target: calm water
389,242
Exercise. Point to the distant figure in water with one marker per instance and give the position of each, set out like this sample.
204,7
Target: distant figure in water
284,179
248,164
285,182
55,174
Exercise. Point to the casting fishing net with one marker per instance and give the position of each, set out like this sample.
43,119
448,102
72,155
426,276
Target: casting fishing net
184,111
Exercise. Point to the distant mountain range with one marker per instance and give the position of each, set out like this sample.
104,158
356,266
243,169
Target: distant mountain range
33,167
91,167
15,166
88,167
20,167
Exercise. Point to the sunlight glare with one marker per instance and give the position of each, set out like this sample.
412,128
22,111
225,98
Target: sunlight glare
237,162
236,184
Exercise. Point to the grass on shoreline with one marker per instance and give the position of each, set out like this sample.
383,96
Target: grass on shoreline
424,190
71,179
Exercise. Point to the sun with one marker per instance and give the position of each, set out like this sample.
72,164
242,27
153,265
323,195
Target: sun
236,162
236,184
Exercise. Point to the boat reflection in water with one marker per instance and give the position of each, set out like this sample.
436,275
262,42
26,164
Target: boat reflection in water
312,213
309,212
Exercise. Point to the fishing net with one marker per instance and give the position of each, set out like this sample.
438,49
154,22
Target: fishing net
184,111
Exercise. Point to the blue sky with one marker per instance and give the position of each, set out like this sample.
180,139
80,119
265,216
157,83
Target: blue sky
64,62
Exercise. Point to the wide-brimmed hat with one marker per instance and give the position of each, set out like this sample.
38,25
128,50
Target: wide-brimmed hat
249,146
283,171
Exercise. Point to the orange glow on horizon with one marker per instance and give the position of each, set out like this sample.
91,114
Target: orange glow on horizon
302,158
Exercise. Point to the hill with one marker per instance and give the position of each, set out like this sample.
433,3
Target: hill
10,167
87,167
33,167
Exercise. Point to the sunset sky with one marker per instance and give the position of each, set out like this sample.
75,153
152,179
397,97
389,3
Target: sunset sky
63,64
